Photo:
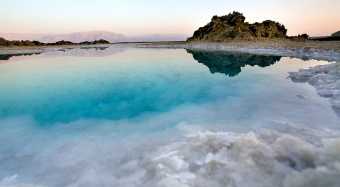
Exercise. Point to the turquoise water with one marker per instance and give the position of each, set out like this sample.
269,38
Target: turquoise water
77,117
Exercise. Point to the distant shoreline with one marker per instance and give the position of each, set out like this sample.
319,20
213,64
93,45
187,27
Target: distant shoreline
319,50
41,49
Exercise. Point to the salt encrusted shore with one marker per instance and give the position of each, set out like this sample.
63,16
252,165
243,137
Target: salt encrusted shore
329,51
326,80
304,53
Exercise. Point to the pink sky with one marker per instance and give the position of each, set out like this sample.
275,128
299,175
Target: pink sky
136,17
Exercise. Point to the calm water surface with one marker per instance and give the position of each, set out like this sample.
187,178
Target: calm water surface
83,117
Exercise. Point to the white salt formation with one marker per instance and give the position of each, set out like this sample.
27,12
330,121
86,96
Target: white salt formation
242,160
325,78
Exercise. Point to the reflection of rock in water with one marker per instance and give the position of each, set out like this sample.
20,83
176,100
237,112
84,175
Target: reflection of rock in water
9,56
231,63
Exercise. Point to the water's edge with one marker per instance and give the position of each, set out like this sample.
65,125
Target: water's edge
297,52
302,52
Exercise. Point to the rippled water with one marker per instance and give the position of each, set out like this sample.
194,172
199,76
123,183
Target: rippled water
123,116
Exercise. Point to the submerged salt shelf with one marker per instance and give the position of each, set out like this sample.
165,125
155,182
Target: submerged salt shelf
163,117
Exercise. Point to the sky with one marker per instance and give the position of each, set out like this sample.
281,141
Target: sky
137,17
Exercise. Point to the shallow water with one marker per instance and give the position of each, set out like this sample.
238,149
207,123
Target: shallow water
121,116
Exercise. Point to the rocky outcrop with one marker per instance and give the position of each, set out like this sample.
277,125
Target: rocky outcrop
336,34
233,26
3,42
334,37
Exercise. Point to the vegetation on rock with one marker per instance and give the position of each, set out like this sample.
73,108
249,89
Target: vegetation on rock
233,26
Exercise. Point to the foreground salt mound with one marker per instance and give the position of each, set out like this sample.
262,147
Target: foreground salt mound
325,78
243,160
214,159
12,182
